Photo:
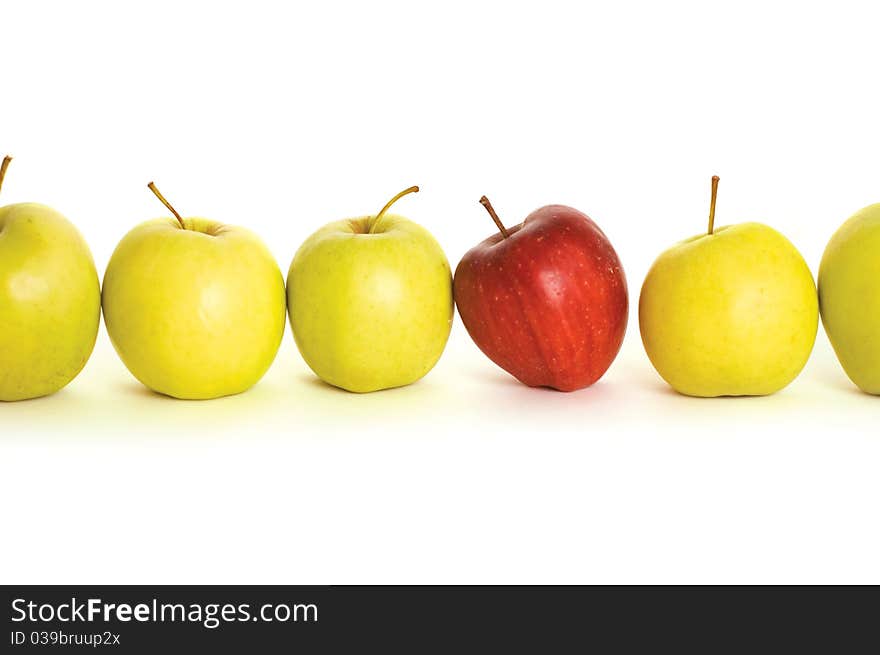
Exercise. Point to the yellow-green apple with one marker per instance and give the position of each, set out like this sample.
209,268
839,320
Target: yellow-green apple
732,312
370,301
849,297
50,300
194,308
546,300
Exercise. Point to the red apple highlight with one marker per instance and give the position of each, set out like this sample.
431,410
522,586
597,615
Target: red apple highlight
546,300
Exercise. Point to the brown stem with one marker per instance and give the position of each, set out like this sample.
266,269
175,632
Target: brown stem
412,189
715,179
152,187
488,205
3,168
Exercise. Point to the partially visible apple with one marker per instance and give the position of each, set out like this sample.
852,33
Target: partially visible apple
732,312
546,300
370,301
849,297
50,300
194,308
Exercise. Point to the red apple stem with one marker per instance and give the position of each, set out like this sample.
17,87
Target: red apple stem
488,205
152,187
412,189
3,167
715,179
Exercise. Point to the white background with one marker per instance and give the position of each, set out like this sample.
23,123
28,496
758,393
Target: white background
281,119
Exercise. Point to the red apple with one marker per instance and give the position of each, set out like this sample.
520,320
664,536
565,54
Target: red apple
546,300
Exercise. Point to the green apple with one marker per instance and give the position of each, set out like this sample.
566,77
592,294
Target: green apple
370,301
50,300
732,312
194,308
849,297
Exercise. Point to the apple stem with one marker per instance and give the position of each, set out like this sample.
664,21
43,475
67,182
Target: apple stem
412,189
488,205
152,187
715,179
3,168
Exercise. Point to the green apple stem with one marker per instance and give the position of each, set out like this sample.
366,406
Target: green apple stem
488,205
3,168
715,179
152,187
412,189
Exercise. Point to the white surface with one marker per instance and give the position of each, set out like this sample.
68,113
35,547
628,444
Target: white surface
282,120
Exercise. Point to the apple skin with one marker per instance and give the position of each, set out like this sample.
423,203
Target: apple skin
370,311
194,313
849,297
733,313
50,301
549,303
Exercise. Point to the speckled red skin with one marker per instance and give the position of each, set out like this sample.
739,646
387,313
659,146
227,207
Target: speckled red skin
549,303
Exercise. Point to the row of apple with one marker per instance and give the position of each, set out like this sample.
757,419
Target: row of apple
196,309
